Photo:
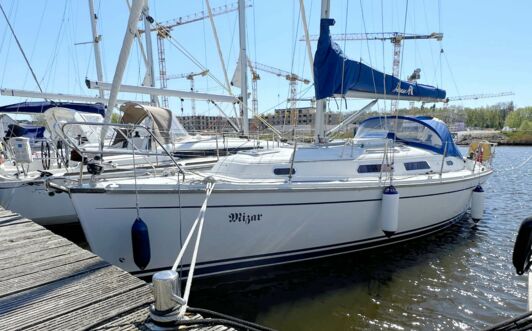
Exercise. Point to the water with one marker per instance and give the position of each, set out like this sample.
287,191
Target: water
459,279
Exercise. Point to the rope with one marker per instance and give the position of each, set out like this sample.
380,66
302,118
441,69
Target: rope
20,48
132,142
518,166
199,221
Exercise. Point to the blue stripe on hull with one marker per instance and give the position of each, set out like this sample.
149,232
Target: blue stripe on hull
264,260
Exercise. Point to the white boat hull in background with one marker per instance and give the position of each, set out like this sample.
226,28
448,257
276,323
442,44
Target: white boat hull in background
248,227
33,201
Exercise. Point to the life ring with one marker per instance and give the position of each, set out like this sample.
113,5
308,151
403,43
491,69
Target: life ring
480,151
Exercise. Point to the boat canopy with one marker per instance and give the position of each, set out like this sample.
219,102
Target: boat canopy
335,74
39,107
57,116
163,123
421,131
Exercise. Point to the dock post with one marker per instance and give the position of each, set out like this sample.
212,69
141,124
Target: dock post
167,295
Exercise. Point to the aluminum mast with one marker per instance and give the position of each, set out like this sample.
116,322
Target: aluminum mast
321,104
96,46
243,66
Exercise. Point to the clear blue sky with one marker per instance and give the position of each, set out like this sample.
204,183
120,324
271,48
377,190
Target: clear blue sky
487,45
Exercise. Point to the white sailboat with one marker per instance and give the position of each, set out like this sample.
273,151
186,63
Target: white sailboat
399,179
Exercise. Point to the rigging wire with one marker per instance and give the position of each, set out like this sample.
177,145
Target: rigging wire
15,9
75,58
205,53
383,56
39,26
452,74
344,47
369,50
50,67
396,110
431,48
440,43
20,48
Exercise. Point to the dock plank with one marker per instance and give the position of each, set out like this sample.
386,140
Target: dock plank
49,283
15,285
45,254
33,266
72,301
35,246
100,312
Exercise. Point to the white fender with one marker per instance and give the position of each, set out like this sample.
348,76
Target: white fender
390,211
477,204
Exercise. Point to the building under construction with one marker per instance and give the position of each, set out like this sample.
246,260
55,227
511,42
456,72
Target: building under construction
300,116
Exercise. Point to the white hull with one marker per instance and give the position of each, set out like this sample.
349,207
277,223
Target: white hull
30,198
36,203
248,226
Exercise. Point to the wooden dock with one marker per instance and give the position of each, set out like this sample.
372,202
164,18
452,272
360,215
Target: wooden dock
49,283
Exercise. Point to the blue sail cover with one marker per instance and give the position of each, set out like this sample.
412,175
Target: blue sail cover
331,66
24,130
39,107
414,131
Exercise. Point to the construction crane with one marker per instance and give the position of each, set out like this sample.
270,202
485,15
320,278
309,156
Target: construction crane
292,78
254,100
190,76
394,37
479,96
163,32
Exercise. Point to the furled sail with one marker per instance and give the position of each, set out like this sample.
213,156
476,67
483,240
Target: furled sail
42,106
335,74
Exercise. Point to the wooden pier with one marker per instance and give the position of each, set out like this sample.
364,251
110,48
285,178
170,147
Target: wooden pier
49,283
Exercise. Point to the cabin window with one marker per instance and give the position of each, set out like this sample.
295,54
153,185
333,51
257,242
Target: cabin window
283,171
420,165
365,168
449,162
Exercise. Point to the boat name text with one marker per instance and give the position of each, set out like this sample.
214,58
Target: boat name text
409,91
244,218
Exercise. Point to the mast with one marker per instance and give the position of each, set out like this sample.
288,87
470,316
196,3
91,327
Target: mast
149,51
307,35
243,66
134,14
96,46
321,105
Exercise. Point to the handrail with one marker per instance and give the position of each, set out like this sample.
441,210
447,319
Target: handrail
119,125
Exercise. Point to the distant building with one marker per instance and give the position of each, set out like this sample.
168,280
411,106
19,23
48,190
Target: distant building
304,116
205,123
457,126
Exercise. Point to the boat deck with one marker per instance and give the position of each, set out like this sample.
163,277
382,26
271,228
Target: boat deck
49,283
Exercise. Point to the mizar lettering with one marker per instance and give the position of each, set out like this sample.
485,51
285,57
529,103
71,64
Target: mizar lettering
244,218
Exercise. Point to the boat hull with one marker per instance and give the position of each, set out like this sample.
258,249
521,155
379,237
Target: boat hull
249,228
30,199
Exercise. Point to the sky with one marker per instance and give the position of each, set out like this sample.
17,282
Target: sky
487,46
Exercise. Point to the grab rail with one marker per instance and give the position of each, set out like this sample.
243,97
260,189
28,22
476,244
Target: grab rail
101,151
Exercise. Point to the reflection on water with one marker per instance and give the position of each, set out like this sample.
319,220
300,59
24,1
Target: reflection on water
461,278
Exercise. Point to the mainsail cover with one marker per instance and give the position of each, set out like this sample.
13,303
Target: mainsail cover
39,107
335,74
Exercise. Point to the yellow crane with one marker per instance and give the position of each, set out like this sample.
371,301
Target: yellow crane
292,78
190,76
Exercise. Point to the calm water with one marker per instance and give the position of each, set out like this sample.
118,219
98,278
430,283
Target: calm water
459,279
